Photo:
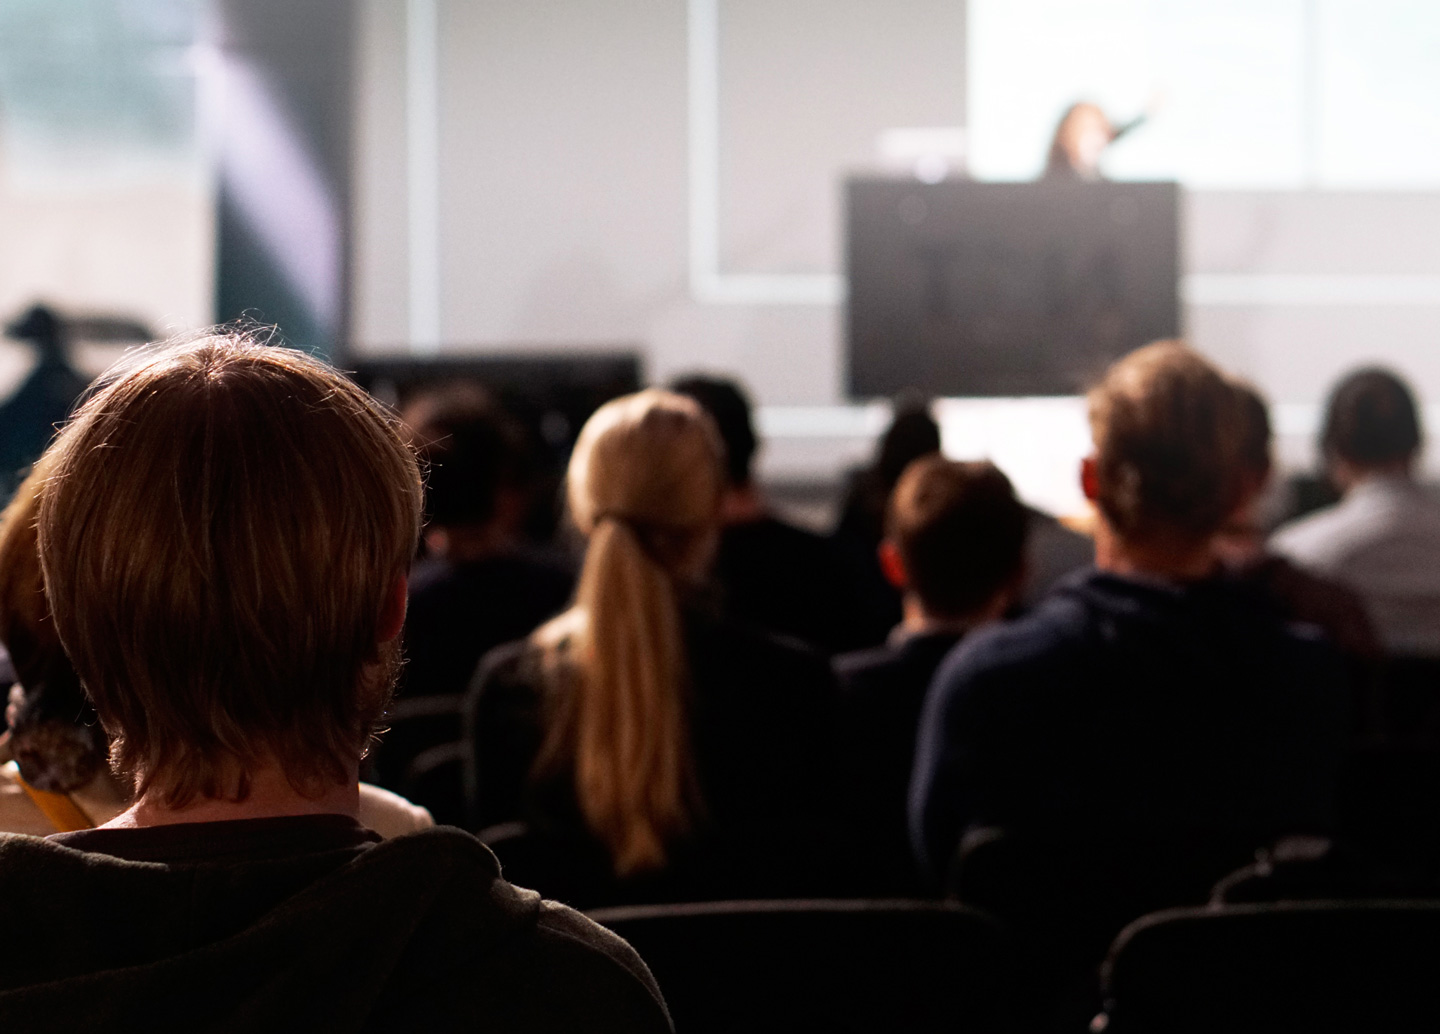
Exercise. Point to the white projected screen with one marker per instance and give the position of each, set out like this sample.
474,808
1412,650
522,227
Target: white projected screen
1243,93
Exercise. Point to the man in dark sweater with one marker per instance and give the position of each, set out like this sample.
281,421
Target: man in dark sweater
224,539
1153,698
954,548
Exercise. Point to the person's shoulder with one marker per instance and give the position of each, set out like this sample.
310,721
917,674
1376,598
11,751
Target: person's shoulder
742,639
1007,652
722,644
1315,536
549,964
774,536
600,959
859,667
389,814
545,966
507,667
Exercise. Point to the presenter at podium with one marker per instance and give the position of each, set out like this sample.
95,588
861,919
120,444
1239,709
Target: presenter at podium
1080,139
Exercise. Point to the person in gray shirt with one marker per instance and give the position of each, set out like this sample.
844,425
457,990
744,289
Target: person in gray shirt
1383,538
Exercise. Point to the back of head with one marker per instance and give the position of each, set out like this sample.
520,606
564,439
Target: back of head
729,407
473,452
913,433
222,526
1171,436
960,532
1256,434
644,487
1371,420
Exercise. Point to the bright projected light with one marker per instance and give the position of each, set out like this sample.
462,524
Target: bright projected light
1246,93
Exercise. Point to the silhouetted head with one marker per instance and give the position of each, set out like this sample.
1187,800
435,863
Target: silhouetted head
1081,137
729,407
959,533
1173,438
913,433
42,327
224,534
1371,421
474,452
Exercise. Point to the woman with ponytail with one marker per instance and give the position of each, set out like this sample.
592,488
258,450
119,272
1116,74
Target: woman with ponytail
653,750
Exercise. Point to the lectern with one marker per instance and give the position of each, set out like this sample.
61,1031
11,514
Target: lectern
961,288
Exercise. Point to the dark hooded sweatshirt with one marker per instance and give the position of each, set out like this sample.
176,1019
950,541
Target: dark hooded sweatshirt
1127,707
303,923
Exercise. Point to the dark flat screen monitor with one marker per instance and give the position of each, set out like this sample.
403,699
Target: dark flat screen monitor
1005,289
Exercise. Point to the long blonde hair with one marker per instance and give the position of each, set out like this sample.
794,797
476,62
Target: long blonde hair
644,486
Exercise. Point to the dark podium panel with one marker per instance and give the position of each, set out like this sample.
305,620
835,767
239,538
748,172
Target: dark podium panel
964,288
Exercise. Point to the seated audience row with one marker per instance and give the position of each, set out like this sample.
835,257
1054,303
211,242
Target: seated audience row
216,547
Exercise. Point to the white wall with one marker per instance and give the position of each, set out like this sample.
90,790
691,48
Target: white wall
566,205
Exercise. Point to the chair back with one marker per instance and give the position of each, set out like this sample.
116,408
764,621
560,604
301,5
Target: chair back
1314,967
835,966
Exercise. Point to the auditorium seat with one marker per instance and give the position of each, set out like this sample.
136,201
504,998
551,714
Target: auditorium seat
1409,704
1068,895
1314,967
836,966
420,755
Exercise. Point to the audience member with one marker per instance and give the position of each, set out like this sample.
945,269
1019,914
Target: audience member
1300,594
1383,538
29,416
54,772
912,433
771,574
479,587
954,547
478,584
656,751
1153,699
224,536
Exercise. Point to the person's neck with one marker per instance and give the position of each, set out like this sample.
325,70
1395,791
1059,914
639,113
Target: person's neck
1347,476
1164,559
742,504
465,544
271,796
917,619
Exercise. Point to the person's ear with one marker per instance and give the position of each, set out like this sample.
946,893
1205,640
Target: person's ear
1090,478
891,564
392,611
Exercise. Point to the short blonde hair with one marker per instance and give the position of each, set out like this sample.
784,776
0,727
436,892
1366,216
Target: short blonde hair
1171,438
221,526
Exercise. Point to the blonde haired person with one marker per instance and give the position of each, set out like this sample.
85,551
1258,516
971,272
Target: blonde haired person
223,531
655,750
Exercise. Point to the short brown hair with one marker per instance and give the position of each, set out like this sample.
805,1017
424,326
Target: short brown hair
959,530
220,529
1371,420
1171,437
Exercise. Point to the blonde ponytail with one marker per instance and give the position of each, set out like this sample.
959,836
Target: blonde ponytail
644,485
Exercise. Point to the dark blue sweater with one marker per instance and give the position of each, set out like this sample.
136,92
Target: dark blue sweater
1132,707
